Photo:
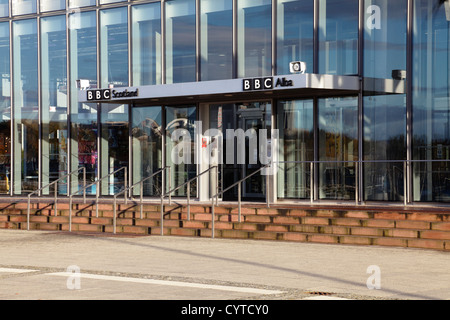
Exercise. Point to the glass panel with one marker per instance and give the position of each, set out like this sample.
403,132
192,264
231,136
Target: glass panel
5,110
4,8
384,139
216,39
83,118
81,3
296,143
338,37
180,147
23,7
384,37
338,147
110,1
26,131
180,41
147,149
114,47
146,26
54,101
114,146
431,102
295,34
254,38
51,5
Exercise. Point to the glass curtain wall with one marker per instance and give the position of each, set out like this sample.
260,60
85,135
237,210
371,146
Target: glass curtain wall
146,44
4,8
81,3
114,47
147,148
52,5
180,152
216,38
338,37
20,7
254,38
296,143
338,147
295,34
114,141
5,110
26,124
384,114
54,101
431,101
180,42
83,117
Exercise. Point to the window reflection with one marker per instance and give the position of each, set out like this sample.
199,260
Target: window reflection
338,147
147,148
146,42
5,110
26,125
20,7
296,124
384,139
216,39
254,38
114,47
4,8
54,101
180,41
338,37
83,65
295,34
431,102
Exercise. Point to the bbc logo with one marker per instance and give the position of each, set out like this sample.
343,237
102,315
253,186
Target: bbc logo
93,95
257,84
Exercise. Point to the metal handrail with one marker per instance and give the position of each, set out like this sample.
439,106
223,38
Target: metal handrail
56,192
140,183
188,191
239,184
96,193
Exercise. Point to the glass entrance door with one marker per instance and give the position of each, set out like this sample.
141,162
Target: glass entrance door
240,125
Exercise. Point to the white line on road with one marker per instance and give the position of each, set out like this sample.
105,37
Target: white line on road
12,270
166,283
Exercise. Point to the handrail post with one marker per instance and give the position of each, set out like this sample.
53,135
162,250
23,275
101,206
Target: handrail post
70,213
114,217
212,218
142,196
28,214
311,182
162,214
188,201
56,199
170,185
267,190
405,183
126,185
356,183
217,185
239,201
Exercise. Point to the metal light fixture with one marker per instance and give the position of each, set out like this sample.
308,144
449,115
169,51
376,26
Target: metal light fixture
297,67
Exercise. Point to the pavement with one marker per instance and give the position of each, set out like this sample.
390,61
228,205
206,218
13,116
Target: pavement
39,265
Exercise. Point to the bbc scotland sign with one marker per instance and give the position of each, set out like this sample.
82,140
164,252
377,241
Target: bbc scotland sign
109,94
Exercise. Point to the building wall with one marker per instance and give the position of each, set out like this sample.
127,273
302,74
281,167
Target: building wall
46,45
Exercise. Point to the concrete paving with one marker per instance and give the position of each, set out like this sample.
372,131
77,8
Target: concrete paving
60,265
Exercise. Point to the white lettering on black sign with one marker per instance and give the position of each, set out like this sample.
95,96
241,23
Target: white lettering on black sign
265,83
108,94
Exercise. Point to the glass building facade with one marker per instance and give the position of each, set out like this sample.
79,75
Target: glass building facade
387,141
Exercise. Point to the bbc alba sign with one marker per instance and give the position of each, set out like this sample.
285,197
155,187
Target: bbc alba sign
266,83
109,94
